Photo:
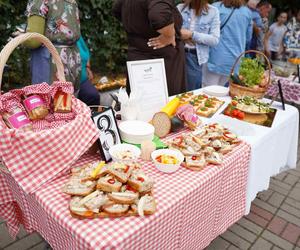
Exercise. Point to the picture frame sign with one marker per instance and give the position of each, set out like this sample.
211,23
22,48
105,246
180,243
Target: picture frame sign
109,135
148,79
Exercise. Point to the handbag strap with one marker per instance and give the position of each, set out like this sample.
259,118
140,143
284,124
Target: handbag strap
226,21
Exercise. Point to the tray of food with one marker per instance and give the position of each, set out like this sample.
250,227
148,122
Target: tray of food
251,110
204,146
203,104
110,190
111,84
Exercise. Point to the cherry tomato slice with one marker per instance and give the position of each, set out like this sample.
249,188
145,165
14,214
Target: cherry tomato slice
129,188
194,157
111,181
141,179
126,169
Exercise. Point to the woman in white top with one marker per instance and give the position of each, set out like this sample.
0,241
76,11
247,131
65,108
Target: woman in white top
200,31
274,38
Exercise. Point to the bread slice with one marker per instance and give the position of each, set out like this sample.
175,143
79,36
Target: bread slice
215,158
146,205
123,197
140,182
94,201
114,209
75,186
109,183
196,163
120,171
79,211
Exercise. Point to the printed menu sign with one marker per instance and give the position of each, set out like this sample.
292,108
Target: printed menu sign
148,79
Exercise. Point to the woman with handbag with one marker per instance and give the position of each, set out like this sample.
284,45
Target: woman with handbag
59,22
200,31
236,31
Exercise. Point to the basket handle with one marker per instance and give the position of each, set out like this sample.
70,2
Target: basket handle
257,52
9,48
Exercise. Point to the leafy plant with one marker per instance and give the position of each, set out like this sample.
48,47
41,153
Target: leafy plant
251,72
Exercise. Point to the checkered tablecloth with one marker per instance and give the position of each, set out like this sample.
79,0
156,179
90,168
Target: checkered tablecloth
290,89
193,208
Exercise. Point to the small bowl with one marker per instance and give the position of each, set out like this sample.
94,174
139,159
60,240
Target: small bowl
167,168
119,148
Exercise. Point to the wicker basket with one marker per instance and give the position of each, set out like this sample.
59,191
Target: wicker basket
239,90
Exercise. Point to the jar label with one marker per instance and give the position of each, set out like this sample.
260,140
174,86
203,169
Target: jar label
18,120
33,102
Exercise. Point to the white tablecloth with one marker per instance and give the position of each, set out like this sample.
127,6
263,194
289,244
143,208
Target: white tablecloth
273,150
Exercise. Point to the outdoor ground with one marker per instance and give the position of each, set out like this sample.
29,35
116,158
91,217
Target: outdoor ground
274,221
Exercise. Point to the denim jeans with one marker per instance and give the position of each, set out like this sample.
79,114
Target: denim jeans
194,71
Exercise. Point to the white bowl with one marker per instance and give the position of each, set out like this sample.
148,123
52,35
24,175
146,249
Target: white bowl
136,132
119,148
216,90
167,168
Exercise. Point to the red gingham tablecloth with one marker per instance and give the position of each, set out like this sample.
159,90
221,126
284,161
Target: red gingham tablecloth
193,208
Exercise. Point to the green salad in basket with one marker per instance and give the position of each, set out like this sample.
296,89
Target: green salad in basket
251,72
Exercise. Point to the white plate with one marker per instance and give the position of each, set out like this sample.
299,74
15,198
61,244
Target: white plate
136,131
216,90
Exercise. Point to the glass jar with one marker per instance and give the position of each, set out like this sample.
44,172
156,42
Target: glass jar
35,107
17,119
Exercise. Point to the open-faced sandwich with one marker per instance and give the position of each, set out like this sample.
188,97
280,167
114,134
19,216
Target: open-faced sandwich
207,145
110,190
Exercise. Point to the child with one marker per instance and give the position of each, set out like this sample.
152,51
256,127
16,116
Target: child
274,38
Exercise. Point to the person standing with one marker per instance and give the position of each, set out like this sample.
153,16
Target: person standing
260,24
153,31
292,37
59,22
87,92
236,31
273,42
200,31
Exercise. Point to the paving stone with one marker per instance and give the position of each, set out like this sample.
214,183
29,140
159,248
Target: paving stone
257,219
276,199
291,179
291,233
250,226
276,248
291,210
295,172
236,240
281,184
261,244
232,247
245,234
295,194
277,225
5,238
25,243
40,246
290,218
292,202
276,240
281,176
265,195
265,205
22,233
217,244
278,189
260,211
